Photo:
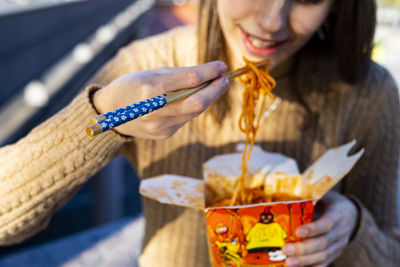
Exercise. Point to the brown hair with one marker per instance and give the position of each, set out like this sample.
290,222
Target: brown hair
340,51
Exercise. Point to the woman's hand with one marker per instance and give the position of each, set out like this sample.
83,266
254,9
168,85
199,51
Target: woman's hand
162,123
326,237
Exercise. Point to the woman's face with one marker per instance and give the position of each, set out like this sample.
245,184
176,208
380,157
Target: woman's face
273,29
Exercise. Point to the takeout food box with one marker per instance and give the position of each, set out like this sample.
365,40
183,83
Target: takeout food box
253,235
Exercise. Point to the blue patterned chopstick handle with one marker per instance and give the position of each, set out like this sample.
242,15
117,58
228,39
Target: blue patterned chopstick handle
122,115
113,113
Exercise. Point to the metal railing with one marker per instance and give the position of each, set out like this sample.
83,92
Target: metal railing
20,102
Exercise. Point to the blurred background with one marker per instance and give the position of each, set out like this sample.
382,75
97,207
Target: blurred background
48,51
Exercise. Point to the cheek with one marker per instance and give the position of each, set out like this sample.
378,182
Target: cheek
235,9
307,23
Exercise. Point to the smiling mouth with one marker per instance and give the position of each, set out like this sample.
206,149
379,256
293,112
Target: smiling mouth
262,43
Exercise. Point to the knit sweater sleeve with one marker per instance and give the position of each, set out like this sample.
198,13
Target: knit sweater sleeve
373,185
42,171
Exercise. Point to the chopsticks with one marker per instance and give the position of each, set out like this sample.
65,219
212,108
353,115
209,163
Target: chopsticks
104,122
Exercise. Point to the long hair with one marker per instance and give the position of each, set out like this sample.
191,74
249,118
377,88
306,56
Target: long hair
340,50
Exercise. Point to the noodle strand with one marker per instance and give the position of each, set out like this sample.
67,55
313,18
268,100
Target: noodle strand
256,82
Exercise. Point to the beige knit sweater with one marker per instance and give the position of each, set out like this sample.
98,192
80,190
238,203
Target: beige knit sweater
42,171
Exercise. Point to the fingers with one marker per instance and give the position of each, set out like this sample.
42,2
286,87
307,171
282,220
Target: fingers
310,246
326,237
180,78
196,103
321,235
164,123
321,258
199,101
142,85
319,227
146,84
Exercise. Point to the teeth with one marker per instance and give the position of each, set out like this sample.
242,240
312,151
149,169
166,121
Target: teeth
260,43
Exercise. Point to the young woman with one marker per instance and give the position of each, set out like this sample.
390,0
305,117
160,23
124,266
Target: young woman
329,92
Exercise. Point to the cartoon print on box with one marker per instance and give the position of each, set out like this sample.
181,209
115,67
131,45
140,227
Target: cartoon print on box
254,235
227,233
267,236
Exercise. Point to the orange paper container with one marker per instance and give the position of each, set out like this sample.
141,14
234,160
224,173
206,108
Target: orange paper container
253,235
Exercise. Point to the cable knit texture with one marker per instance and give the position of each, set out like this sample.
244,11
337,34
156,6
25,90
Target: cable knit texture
42,171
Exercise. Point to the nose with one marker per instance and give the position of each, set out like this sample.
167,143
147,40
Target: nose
273,15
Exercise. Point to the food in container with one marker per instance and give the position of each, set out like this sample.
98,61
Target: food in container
253,234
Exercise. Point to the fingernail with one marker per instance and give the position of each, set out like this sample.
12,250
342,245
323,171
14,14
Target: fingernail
222,66
302,232
288,249
292,262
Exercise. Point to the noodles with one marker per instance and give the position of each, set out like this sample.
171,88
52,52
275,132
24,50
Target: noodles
257,85
256,196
